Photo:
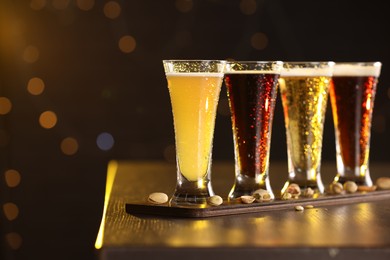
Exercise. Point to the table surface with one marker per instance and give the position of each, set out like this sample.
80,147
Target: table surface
345,231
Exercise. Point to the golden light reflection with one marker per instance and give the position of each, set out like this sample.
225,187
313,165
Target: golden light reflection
11,211
127,44
197,232
112,9
236,236
368,102
35,86
48,119
37,4
248,7
263,227
111,172
12,178
5,105
259,41
14,240
184,6
69,146
85,5
30,54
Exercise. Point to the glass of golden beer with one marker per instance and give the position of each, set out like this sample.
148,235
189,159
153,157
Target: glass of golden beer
304,88
352,95
252,90
194,89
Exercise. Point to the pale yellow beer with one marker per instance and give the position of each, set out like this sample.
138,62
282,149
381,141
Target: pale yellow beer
194,98
304,92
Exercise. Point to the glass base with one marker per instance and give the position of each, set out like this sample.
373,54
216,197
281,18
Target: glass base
247,185
359,180
192,194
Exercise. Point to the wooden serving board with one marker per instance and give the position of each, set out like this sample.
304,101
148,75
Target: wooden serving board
232,208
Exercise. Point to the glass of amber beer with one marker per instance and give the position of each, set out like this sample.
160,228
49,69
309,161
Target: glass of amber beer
304,88
352,95
194,89
252,91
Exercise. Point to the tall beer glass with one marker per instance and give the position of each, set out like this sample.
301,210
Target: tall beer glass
194,88
304,87
252,91
352,95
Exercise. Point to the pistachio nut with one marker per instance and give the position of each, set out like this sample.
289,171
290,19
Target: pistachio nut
366,188
261,195
383,183
350,186
286,196
215,200
247,199
294,190
308,192
158,198
336,188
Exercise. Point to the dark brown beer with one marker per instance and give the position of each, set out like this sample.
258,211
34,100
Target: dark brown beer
252,99
352,99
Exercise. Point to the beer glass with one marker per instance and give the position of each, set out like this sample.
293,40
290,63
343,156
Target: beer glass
352,95
304,88
194,89
252,91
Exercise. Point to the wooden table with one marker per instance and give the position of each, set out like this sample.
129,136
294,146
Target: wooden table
346,231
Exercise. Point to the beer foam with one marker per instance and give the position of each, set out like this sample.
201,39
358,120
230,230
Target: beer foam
194,74
306,72
356,70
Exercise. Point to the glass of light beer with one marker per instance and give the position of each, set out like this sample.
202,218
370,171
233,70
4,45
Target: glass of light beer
304,88
252,91
352,95
194,89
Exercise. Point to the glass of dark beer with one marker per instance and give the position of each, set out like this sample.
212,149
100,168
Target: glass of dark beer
252,91
352,96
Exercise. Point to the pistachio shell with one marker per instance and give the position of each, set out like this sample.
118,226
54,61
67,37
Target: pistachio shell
286,196
383,183
308,192
366,188
247,199
350,187
336,188
261,195
294,189
158,198
215,200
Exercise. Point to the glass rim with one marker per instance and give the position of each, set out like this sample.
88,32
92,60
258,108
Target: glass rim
359,63
255,62
251,66
307,69
310,62
194,60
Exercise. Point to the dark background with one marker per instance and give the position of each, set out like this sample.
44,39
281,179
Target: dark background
113,103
